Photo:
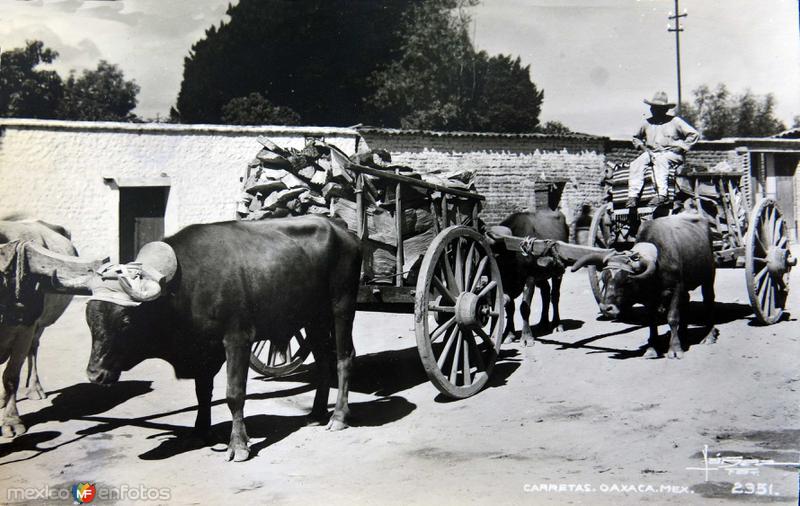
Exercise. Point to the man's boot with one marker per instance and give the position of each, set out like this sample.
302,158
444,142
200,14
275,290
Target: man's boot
659,200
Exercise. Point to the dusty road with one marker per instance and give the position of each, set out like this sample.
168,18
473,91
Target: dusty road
577,419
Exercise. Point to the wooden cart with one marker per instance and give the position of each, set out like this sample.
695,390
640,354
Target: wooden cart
454,290
755,239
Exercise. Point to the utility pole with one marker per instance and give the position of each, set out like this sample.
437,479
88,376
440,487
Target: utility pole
677,29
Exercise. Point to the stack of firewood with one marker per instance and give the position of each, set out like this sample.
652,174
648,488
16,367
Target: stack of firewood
321,179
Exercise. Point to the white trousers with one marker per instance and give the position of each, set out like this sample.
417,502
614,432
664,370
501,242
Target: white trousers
661,163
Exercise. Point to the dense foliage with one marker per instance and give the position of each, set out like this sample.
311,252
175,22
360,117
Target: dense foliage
27,91
718,113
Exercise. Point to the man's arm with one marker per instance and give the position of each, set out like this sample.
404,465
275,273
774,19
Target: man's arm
688,134
640,137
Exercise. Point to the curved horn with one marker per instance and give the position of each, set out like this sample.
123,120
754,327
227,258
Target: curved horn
648,256
140,289
649,269
596,259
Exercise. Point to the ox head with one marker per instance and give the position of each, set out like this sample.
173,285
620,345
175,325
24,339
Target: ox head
622,276
124,309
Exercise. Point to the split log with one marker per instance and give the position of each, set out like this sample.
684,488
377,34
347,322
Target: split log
292,181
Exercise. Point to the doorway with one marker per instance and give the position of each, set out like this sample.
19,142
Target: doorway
141,218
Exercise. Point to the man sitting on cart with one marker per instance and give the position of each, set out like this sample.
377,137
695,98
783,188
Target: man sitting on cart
665,140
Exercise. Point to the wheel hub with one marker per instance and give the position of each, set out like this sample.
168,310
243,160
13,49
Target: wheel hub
471,311
779,261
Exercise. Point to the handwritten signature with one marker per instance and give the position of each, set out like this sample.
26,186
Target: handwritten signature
737,465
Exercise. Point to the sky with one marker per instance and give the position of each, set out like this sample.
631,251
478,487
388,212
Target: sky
595,59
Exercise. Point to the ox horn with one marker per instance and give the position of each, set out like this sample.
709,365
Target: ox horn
157,264
648,256
596,259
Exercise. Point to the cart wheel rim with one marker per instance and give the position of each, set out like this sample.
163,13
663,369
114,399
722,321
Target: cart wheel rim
599,237
767,262
459,278
270,360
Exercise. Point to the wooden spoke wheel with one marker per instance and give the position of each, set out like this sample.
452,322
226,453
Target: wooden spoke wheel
270,359
459,315
599,237
767,262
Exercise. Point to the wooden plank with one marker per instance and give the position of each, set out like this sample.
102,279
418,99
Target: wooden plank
398,227
386,298
416,182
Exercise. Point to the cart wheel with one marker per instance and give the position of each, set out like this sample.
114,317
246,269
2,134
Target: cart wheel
459,311
599,237
767,262
271,360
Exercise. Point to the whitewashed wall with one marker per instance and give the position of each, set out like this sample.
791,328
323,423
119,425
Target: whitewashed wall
58,171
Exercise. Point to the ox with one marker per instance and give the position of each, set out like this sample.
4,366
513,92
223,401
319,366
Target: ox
522,274
204,295
672,255
24,320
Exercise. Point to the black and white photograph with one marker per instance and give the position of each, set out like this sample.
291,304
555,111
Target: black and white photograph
399,252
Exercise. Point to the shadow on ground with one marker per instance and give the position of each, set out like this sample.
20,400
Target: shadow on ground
637,319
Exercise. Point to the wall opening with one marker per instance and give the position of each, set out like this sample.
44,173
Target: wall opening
141,218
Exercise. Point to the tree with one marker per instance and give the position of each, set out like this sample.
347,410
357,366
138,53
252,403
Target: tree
102,94
507,100
718,113
555,128
440,82
26,91
312,56
254,109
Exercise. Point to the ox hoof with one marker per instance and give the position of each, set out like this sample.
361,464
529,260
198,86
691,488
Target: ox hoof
711,338
335,425
316,419
677,353
527,342
650,352
36,393
558,328
238,454
13,427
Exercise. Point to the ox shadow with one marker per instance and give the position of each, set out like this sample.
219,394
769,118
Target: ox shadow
539,330
70,403
637,319
267,429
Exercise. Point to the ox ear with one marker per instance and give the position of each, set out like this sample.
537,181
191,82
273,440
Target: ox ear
595,259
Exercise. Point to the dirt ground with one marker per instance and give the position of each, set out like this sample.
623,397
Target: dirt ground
579,418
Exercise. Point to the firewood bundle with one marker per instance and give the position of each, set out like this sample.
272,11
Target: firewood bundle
321,179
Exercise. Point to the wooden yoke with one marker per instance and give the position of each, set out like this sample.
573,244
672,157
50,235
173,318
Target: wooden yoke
566,253
66,274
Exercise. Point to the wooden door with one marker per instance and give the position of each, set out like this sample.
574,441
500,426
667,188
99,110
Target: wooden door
141,216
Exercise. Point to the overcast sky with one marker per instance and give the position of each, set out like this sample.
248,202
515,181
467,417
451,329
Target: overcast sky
595,59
